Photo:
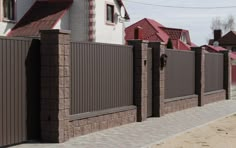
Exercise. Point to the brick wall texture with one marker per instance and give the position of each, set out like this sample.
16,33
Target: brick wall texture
140,49
214,97
55,85
94,124
178,105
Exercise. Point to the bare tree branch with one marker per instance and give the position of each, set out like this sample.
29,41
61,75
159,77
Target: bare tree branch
225,25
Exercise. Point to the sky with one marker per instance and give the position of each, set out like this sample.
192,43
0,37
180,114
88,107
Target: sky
197,21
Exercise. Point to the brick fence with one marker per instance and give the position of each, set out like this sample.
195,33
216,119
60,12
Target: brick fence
58,125
162,106
88,87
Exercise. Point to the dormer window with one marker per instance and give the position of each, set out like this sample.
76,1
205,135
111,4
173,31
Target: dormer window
110,14
183,38
8,9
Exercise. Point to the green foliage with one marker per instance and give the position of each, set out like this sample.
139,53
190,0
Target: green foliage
169,44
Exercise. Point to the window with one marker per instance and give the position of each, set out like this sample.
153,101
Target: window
183,38
110,13
8,9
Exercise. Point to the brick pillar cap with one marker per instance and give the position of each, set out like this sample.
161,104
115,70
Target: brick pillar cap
59,31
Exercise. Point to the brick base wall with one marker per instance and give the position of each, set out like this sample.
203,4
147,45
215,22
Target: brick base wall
214,96
98,123
174,105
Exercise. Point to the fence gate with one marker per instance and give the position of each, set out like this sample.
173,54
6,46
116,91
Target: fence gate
149,82
19,90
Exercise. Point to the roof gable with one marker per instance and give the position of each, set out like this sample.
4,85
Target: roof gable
154,31
151,28
228,39
42,15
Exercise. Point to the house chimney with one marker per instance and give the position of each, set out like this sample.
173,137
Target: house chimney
217,34
138,33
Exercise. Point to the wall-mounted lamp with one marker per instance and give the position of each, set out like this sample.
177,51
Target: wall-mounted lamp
163,61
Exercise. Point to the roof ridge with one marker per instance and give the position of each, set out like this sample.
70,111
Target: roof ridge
157,31
174,28
135,23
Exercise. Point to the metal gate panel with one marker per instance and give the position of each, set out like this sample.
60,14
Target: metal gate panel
19,61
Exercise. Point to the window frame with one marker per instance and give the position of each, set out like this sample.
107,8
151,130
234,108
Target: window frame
8,17
109,22
183,38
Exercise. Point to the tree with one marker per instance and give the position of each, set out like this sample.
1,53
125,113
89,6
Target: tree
225,25
169,44
216,24
229,24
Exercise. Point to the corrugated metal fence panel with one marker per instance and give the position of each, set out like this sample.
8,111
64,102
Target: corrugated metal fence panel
102,77
233,74
214,71
180,73
13,90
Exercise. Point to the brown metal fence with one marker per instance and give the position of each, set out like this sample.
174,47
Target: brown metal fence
19,90
102,77
180,73
233,75
214,70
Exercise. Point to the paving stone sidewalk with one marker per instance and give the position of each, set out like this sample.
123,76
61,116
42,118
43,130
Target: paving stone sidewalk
149,132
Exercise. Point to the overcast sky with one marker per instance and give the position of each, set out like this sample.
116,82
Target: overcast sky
198,22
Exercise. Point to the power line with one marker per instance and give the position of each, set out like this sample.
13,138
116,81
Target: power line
180,7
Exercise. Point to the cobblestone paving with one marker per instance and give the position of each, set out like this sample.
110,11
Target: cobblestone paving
149,132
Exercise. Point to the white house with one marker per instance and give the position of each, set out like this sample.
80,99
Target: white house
10,12
88,20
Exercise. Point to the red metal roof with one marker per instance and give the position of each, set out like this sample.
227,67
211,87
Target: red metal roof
233,55
211,48
42,15
154,31
173,33
151,31
214,48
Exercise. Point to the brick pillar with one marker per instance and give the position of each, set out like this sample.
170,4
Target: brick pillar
158,79
199,74
92,21
227,74
55,85
140,77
